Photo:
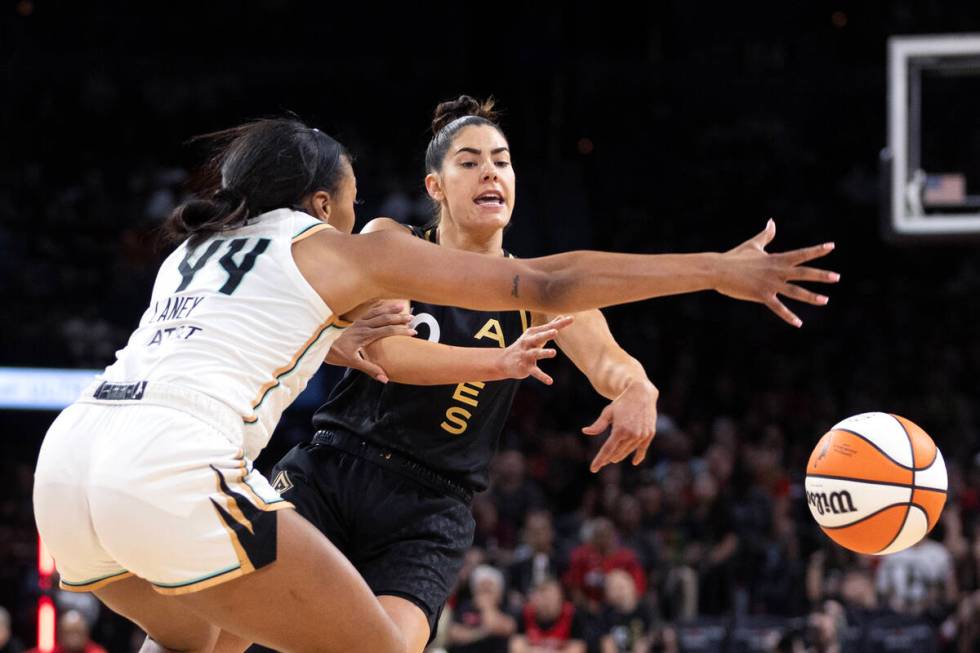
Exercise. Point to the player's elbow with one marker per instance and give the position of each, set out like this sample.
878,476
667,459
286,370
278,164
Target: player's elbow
552,291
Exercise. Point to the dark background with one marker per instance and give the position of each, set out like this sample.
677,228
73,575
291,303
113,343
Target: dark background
671,126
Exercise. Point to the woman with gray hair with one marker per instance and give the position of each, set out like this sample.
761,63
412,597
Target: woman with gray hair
480,625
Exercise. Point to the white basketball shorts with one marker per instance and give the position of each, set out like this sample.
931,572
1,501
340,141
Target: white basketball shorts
151,480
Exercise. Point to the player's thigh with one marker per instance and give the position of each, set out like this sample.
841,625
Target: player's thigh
310,599
410,619
168,623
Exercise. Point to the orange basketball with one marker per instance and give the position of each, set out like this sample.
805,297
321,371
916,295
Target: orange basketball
876,483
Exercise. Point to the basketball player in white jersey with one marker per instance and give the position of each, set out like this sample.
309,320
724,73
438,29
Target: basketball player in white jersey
144,490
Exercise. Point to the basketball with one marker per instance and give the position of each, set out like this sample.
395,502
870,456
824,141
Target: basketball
876,483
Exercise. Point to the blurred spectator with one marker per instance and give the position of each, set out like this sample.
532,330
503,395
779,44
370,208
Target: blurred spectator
513,494
8,643
778,580
84,603
713,552
480,625
629,522
474,558
73,635
918,579
590,562
626,623
549,623
486,535
536,558
825,628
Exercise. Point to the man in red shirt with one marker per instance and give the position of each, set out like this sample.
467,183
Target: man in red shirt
591,561
548,623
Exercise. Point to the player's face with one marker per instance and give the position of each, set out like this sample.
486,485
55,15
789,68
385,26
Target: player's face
477,185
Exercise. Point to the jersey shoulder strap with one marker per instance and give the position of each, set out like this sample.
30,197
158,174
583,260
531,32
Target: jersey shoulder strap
430,234
425,233
303,225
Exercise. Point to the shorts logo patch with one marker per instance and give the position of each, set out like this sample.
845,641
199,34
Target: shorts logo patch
281,482
120,391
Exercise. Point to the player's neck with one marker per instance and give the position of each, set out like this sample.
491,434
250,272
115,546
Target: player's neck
489,243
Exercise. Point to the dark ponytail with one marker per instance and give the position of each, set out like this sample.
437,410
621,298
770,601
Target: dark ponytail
257,167
199,218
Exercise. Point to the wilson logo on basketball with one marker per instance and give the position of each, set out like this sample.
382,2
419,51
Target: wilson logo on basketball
835,502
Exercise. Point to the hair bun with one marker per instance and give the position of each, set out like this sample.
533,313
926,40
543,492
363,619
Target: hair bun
206,214
231,197
191,216
461,107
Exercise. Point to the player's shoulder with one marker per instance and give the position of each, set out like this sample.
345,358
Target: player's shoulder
384,224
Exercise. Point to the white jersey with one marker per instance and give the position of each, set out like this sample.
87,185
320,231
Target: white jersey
233,318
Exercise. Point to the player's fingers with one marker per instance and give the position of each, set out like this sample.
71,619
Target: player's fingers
374,311
384,319
541,353
797,256
601,423
641,451
393,330
603,457
556,324
596,464
803,295
560,322
780,309
364,364
538,339
621,441
541,376
802,273
627,443
765,236
380,308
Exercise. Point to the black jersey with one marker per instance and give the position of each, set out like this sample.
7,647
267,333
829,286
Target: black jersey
452,429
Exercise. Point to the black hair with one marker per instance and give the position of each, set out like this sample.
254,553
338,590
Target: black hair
257,167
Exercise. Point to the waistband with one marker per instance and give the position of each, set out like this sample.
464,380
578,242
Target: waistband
394,461
209,410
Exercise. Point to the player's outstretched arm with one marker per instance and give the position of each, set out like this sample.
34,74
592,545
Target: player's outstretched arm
369,345
350,270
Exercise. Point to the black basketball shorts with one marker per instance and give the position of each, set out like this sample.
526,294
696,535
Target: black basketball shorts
404,536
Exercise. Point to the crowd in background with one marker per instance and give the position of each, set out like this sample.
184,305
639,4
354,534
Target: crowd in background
663,141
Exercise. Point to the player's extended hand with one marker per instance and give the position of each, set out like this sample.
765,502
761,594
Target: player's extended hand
633,418
753,274
382,320
520,360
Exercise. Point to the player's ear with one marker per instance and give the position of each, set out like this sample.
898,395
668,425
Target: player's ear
433,186
319,204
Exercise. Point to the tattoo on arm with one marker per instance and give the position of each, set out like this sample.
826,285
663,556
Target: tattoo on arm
514,291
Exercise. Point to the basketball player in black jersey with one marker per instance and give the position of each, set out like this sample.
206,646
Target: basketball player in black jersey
407,536
390,472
